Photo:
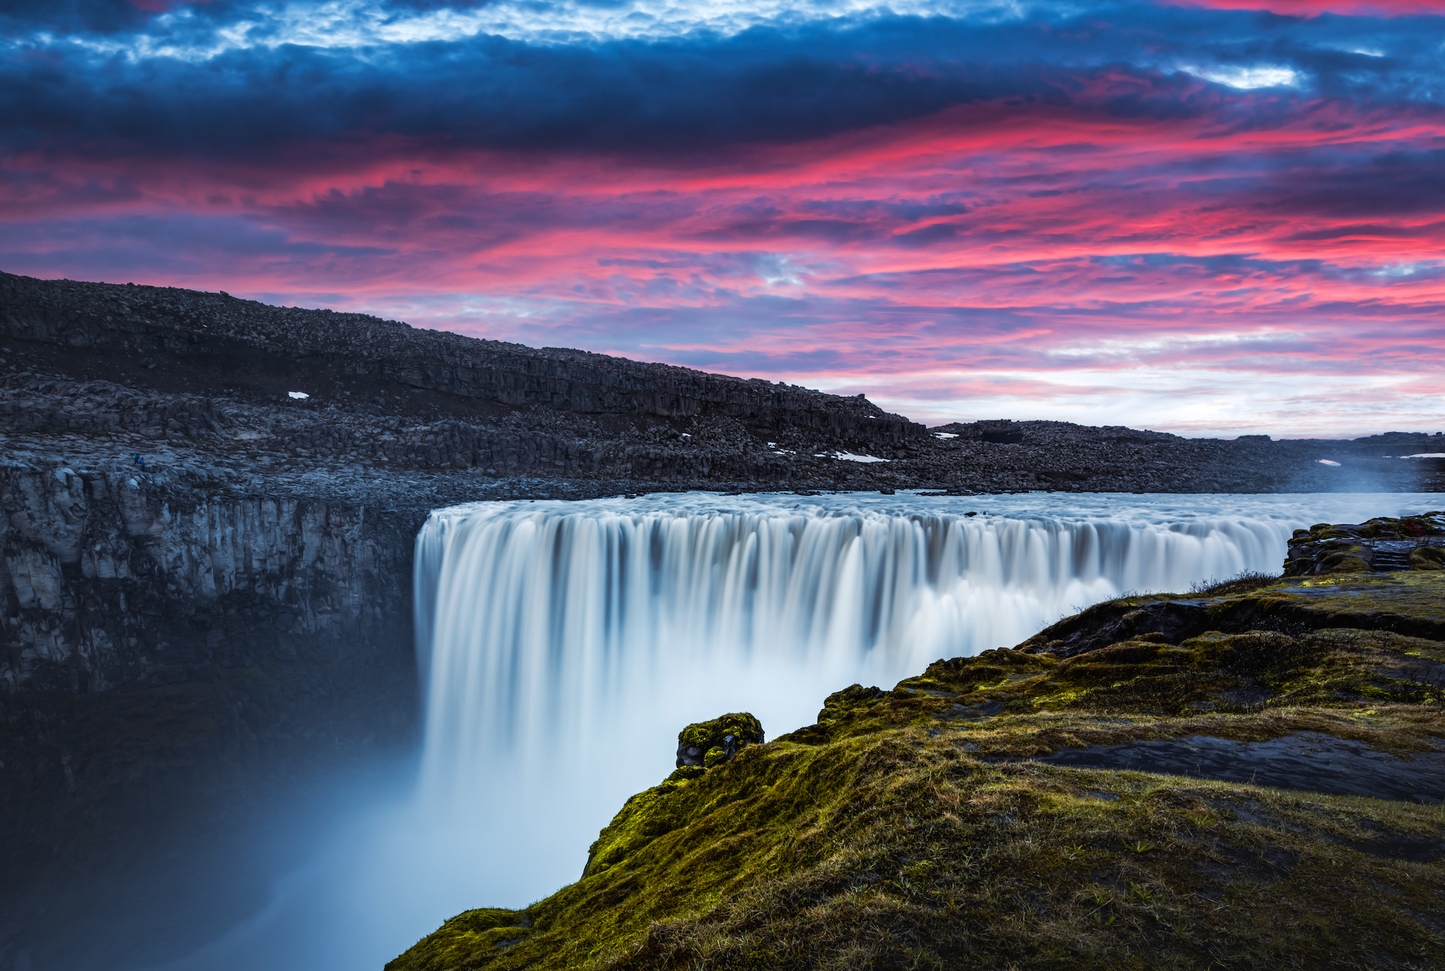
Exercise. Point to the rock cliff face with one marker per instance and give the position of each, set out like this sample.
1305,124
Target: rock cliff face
132,367
96,565
166,647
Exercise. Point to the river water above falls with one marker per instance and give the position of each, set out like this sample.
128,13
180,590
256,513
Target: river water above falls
563,645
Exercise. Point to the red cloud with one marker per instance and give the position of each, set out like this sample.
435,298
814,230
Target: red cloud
1020,238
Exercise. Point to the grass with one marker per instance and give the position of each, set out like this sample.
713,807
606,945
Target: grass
908,829
1242,582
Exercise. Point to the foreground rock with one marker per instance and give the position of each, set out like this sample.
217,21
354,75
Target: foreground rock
1250,775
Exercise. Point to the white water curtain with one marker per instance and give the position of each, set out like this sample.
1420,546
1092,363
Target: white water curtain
564,637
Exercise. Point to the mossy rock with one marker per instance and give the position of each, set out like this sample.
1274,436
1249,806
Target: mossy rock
459,941
712,743
1383,544
1343,562
1427,558
701,747
840,704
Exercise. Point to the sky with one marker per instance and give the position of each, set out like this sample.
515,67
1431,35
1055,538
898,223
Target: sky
1215,217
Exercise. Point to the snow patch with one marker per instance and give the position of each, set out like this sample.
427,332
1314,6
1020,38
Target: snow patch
945,435
297,395
849,457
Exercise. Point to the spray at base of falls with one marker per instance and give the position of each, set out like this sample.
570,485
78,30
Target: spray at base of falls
573,640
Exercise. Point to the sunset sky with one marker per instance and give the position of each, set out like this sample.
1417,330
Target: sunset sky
1213,217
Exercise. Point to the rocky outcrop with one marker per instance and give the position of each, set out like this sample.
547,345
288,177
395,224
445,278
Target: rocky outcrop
989,456
1382,545
145,365
112,422
96,566
703,745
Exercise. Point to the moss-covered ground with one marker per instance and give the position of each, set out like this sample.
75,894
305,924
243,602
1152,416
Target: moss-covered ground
912,828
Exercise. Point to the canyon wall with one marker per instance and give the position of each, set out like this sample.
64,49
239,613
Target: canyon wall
167,645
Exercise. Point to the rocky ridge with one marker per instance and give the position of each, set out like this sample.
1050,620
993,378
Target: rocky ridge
1382,545
131,367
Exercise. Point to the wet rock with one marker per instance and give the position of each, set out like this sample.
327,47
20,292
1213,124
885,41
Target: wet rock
1308,760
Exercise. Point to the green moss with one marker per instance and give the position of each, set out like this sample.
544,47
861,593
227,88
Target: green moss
1328,549
710,743
1344,562
1427,558
905,850
472,935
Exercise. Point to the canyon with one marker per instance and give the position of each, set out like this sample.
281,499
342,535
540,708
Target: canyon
211,508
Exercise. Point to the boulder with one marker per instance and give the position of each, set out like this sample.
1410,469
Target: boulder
710,743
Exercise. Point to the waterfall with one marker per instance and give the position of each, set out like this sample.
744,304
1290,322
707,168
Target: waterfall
577,638
562,645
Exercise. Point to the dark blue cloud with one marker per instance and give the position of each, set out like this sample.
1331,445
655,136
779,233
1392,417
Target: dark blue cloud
696,93
86,17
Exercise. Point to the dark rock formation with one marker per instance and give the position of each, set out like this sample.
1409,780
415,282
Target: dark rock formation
1311,761
165,647
1382,545
991,456
710,743
128,368
214,341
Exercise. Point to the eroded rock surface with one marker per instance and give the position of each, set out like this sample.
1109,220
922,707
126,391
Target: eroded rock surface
711,743
1310,761
1382,545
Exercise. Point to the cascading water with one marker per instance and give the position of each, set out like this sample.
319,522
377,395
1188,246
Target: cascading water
575,639
564,644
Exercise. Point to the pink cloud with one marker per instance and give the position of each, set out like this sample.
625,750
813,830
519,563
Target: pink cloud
989,237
